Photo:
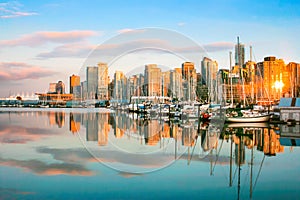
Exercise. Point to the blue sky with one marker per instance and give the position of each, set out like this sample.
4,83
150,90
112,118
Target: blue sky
35,47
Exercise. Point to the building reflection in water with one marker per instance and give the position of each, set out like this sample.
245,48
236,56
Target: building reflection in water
264,139
57,118
75,120
98,126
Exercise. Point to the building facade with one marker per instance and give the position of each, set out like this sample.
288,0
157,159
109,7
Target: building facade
74,81
239,54
176,90
275,78
120,89
103,81
209,70
189,76
92,82
153,80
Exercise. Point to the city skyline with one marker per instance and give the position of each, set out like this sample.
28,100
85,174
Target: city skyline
41,43
268,80
209,83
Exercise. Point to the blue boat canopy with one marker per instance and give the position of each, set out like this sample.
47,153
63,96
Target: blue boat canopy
289,102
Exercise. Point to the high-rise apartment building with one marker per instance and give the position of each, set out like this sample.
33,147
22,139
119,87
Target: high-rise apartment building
60,88
166,83
209,70
275,78
92,82
74,81
57,88
294,78
84,92
103,81
189,81
97,82
153,79
120,86
176,90
75,87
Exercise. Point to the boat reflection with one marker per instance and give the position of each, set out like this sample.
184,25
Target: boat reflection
250,137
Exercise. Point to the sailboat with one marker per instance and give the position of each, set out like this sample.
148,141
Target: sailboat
246,116
249,118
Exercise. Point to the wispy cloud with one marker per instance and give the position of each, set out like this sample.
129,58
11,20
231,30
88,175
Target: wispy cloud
12,71
144,44
40,167
129,30
218,46
12,10
80,49
40,38
20,135
69,156
181,24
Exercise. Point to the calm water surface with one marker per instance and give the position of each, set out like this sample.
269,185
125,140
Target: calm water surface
96,154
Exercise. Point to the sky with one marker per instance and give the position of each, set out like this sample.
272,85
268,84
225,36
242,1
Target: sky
47,41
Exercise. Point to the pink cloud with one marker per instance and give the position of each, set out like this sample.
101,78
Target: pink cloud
218,46
21,135
117,48
129,30
42,168
69,50
19,71
40,38
12,10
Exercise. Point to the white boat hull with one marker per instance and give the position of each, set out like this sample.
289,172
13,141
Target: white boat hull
248,125
262,118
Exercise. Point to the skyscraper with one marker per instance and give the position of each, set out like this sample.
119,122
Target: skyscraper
166,83
294,71
120,86
209,70
92,82
176,83
74,81
274,78
188,68
84,92
153,77
60,88
239,53
103,81
133,87
190,80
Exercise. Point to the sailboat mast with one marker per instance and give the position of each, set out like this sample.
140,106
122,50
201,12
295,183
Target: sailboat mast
250,53
251,174
230,172
230,68
252,76
239,165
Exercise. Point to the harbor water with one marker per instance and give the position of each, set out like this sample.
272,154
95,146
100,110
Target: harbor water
96,153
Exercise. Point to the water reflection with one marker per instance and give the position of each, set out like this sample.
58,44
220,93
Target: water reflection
122,129
49,144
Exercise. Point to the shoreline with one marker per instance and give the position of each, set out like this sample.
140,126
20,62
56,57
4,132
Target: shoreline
67,110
